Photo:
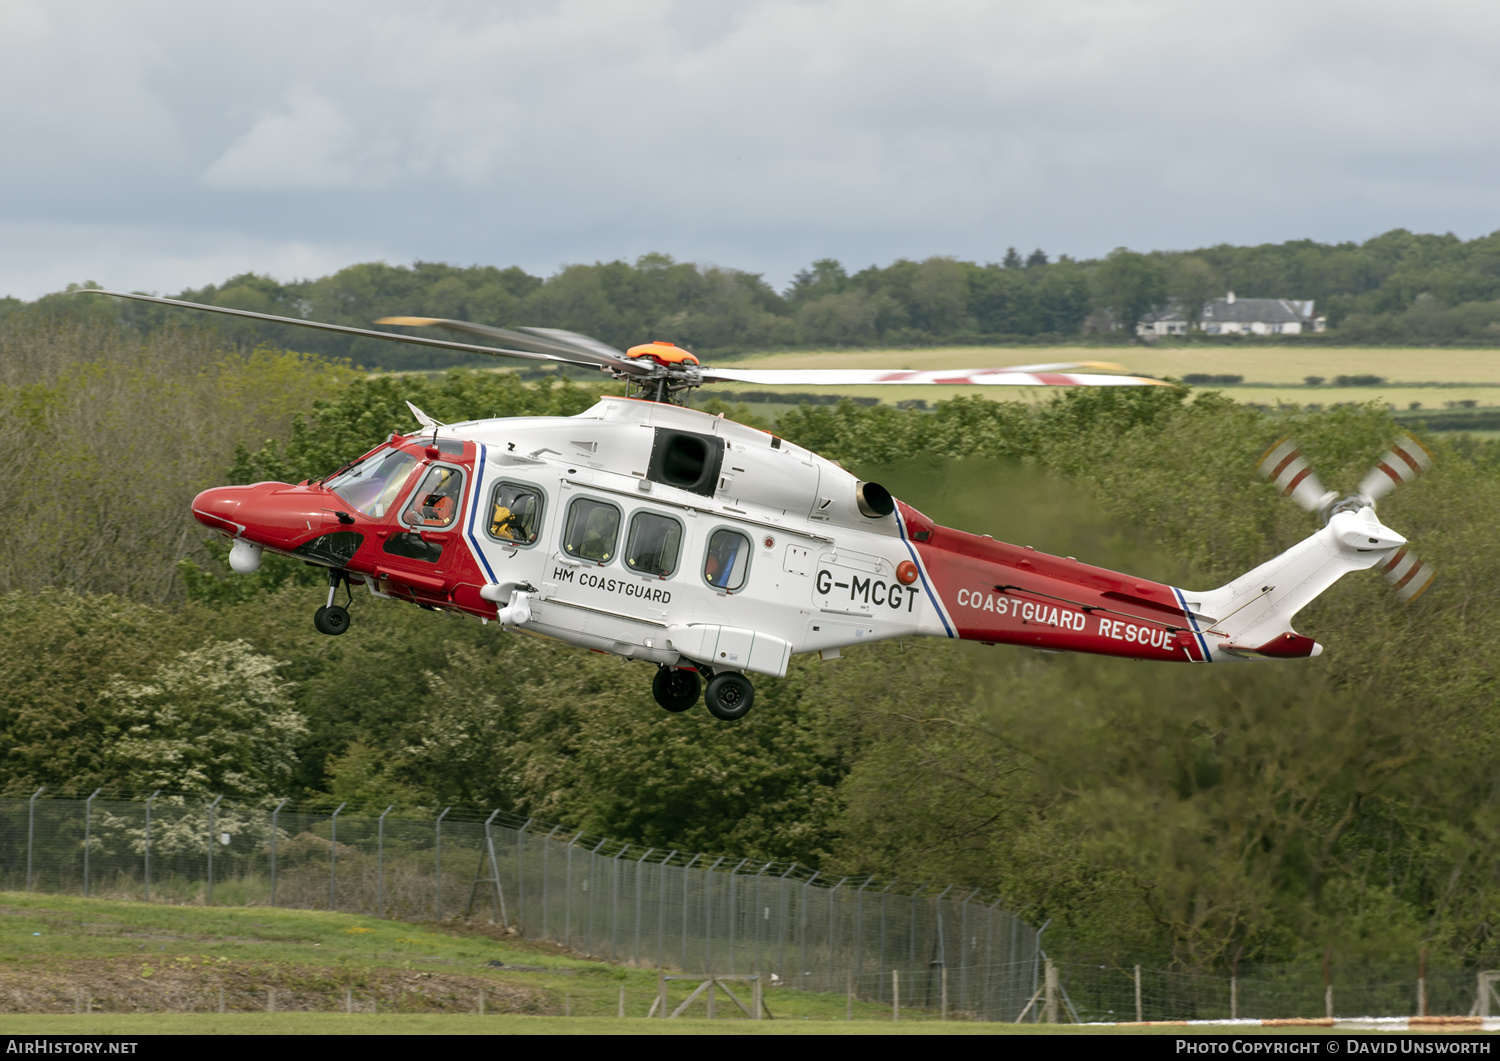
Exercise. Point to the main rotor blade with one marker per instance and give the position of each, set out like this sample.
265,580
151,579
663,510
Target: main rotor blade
1404,461
410,340
1288,471
1053,375
553,341
1408,574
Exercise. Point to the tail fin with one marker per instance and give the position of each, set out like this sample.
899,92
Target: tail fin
1251,617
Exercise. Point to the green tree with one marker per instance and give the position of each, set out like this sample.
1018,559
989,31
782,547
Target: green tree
1130,285
215,720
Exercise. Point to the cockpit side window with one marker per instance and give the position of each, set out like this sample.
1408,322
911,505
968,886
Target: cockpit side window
515,514
592,531
728,560
435,503
653,544
374,484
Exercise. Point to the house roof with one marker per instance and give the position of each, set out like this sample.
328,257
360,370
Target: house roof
1251,310
1240,311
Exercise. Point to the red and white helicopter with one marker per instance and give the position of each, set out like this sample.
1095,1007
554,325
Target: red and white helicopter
653,531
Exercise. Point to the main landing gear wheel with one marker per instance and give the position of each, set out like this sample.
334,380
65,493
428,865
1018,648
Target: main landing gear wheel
331,619
730,696
674,688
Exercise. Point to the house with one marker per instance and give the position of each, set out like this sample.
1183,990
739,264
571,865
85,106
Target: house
1237,316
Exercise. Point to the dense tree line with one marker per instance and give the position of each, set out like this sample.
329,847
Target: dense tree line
1395,288
1155,812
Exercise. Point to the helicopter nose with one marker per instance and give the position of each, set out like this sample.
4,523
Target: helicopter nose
220,508
275,514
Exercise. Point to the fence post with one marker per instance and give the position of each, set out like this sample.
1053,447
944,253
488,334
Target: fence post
685,869
895,994
831,933
546,866
88,815
802,925
1049,1010
380,864
1328,983
733,912
858,951
661,908
1138,1010
1422,982
211,808
333,855
31,832
521,876
437,856
148,842
274,831
635,953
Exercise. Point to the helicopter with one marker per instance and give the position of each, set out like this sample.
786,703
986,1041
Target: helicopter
649,530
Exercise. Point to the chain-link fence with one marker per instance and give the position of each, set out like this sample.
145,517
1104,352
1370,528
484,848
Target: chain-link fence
621,902
1088,993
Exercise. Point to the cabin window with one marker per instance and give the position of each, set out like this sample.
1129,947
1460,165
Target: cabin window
592,531
685,460
653,544
375,483
435,502
728,560
515,514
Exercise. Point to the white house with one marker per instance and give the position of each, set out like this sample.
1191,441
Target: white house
1238,316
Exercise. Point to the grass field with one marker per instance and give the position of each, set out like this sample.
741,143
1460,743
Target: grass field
61,955
1426,379
1273,375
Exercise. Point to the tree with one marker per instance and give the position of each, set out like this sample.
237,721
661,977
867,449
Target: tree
1193,282
1130,285
216,720
1036,259
1012,259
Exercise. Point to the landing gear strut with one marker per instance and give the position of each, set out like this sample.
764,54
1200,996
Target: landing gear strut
334,618
729,696
675,688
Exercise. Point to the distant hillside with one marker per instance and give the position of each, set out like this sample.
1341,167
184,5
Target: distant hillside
1396,288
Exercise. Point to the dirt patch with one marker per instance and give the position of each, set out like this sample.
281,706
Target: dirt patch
134,985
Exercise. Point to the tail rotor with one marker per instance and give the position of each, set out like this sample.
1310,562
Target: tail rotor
1284,465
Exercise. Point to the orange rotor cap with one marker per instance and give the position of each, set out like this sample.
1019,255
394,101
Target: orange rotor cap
663,353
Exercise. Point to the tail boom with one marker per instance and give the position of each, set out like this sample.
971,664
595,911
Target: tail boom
989,591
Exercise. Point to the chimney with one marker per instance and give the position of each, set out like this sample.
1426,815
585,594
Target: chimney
1229,298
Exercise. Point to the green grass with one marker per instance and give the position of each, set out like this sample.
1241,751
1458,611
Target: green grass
442,1024
61,953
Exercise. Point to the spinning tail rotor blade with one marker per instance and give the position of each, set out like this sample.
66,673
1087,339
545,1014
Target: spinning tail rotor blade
1408,574
1289,472
1404,461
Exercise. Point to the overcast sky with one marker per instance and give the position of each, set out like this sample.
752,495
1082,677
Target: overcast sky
157,145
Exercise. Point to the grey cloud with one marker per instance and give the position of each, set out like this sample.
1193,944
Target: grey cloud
757,135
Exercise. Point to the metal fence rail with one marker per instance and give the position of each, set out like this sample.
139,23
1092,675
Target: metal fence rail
644,906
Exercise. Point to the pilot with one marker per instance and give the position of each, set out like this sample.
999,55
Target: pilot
436,507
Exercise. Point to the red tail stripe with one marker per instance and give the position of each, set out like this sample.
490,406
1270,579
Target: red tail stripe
1395,561
1297,481
1383,466
1284,462
1408,576
1416,469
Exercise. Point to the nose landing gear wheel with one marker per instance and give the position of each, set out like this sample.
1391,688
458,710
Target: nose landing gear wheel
729,696
674,689
331,619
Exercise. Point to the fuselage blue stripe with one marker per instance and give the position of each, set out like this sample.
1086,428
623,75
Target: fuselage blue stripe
474,514
1202,644
922,573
